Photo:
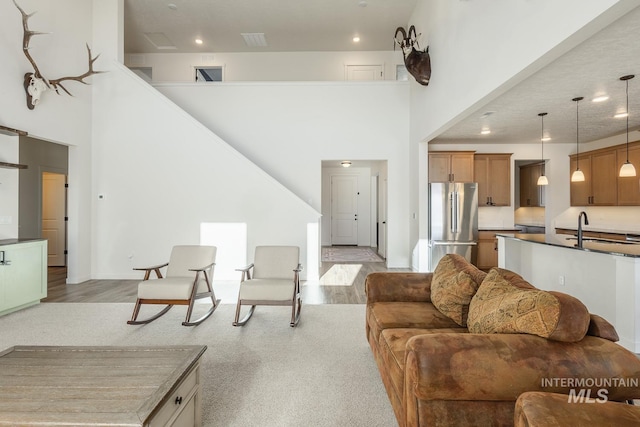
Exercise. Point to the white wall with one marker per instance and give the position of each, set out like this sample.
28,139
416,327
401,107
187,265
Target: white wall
289,128
159,175
265,66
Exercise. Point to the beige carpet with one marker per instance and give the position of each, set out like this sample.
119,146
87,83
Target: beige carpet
266,373
349,254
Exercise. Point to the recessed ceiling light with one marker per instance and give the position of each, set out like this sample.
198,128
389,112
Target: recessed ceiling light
621,115
486,114
172,6
362,3
485,131
356,39
198,41
345,163
545,139
600,98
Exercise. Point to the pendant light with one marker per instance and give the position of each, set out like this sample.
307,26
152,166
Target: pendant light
542,179
578,175
627,168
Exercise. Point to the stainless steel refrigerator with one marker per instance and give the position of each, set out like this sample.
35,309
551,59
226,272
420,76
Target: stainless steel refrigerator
453,221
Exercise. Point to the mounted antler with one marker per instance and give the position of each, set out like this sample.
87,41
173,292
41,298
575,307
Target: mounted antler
35,84
418,62
400,42
56,82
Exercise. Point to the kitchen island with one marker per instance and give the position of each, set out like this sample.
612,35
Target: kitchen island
604,275
23,273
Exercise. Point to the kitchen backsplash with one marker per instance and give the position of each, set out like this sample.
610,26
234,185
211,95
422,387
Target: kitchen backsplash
620,219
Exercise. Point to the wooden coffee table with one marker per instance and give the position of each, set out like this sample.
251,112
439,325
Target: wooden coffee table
111,386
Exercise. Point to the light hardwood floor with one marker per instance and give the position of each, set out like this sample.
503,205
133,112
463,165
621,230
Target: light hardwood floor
313,292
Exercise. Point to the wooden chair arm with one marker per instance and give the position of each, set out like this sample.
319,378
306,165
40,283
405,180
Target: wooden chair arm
152,268
206,267
148,270
245,268
246,272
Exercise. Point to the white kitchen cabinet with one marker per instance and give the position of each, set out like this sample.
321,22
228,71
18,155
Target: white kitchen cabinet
23,273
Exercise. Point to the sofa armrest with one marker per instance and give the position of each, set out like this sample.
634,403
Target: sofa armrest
500,367
398,286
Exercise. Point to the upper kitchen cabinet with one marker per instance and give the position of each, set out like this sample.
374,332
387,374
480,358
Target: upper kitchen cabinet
451,166
492,172
600,178
530,191
629,187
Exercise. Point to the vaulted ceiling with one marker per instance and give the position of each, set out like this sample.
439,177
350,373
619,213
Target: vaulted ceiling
591,69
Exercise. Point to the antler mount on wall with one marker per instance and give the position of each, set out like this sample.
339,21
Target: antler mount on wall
35,84
417,62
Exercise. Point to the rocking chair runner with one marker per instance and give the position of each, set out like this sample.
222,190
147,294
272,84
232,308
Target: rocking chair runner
275,281
188,278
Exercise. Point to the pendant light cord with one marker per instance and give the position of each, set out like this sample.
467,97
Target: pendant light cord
627,81
577,138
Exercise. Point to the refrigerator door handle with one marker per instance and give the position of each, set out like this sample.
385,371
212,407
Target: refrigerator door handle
453,244
455,201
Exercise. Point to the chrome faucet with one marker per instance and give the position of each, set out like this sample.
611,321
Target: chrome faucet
586,222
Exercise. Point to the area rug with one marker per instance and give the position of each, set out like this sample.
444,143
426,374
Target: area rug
349,254
321,373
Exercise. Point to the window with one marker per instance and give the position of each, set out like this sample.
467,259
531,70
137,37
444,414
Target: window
208,74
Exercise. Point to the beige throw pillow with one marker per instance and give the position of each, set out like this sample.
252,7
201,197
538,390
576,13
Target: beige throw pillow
499,306
455,281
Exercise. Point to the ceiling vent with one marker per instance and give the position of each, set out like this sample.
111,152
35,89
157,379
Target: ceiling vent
254,39
160,41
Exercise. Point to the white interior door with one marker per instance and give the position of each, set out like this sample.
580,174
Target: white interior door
344,210
364,72
53,214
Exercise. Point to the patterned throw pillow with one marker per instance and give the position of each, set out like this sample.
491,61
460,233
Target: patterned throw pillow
501,306
455,281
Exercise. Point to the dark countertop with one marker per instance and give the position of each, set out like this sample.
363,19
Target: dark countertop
620,248
6,242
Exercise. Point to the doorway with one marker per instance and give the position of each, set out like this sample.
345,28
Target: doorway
356,197
54,226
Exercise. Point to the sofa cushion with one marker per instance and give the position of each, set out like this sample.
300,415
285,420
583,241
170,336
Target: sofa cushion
499,306
386,315
455,281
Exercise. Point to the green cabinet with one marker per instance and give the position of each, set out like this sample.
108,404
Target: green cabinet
23,273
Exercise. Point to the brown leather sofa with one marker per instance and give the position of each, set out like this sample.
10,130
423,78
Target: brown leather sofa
537,409
437,373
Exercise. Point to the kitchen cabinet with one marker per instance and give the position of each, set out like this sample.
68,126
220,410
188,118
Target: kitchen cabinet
492,172
23,273
629,187
599,187
530,191
451,166
488,248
